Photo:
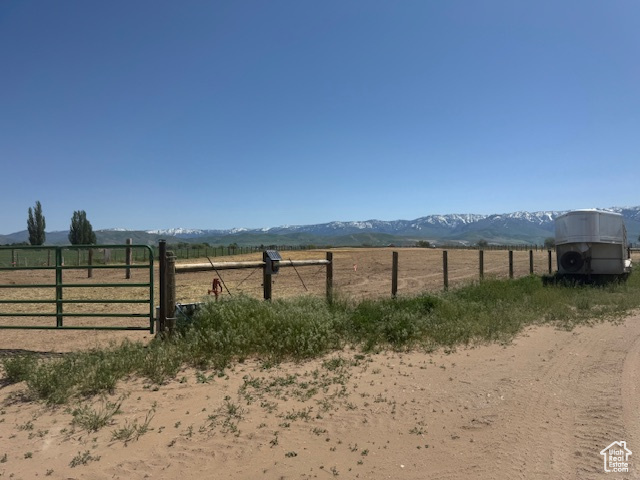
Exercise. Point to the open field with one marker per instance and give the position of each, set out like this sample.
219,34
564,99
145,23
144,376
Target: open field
364,273
358,273
541,406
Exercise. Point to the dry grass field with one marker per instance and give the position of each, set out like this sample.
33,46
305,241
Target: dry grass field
362,272
358,273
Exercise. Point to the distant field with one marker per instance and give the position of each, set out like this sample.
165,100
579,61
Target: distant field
358,273
364,272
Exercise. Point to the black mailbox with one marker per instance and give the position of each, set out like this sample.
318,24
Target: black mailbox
272,261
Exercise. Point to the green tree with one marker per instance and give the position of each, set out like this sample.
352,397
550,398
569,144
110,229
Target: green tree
36,225
423,244
482,243
81,231
549,243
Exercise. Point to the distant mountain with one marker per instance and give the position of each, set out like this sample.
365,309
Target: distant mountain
506,228
466,229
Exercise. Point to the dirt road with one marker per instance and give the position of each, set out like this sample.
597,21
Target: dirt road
541,407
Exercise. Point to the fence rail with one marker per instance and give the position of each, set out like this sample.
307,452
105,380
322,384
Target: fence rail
169,270
408,275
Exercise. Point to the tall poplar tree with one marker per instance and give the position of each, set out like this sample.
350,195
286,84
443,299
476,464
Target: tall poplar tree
81,231
36,225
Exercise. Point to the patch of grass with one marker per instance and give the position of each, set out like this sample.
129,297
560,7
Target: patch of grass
91,419
240,327
18,368
283,329
83,458
133,431
26,426
227,416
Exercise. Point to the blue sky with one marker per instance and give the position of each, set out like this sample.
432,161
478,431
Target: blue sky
157,114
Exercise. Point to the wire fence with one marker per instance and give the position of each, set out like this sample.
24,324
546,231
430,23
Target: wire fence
114,256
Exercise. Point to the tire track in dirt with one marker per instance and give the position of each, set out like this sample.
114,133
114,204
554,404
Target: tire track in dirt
545,407
630,391
542,437
574,406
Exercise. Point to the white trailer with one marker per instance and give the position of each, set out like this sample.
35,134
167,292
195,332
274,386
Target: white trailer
592,243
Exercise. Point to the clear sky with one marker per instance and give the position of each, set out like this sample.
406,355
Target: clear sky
241,113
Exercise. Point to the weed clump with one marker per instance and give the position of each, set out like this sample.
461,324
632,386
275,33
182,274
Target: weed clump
296,329
284,329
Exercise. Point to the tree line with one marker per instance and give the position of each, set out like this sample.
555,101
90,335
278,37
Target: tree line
80,231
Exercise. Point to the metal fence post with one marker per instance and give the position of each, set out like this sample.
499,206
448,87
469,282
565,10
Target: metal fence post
481,262
59,287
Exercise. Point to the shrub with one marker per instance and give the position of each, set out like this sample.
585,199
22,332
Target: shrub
306,327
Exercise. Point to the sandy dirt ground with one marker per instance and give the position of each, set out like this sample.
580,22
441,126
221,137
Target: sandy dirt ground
543,406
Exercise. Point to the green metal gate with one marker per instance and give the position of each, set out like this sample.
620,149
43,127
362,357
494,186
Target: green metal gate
22,266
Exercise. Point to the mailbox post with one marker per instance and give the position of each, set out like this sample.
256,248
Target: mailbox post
271,259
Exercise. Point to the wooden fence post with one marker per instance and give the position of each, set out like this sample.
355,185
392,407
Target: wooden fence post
162,265
530,262
127,272
330,277
510,263
394,275
445,269
170,308
266,278
481,262
550,262
90,262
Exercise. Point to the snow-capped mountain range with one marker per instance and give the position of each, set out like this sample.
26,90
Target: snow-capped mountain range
505,228
436,226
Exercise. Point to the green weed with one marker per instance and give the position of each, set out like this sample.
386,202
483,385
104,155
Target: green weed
83,458
240,327
133,431
91,419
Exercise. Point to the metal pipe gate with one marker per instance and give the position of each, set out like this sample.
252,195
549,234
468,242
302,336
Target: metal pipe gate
40,258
